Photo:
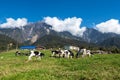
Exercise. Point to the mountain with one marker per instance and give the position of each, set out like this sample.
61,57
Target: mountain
43,34
56,41
94,36
111,42
32,32
14,33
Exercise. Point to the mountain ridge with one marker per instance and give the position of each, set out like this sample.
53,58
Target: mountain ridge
34,32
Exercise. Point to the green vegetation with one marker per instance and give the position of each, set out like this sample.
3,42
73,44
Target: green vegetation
6,43
111,42
97,67
58,42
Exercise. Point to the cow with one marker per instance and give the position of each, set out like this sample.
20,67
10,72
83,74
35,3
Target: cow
37,54
62,53
17,53
86,52
56,53
68,54
83,52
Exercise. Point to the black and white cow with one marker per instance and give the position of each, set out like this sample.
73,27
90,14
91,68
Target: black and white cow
62,53
71,53
17,53
56,53
68,54
37,54
83,52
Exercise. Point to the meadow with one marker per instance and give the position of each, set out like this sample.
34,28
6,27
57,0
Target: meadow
97,67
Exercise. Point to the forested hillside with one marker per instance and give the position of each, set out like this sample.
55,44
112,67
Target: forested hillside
6,43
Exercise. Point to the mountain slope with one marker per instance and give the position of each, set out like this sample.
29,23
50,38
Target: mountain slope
111,42
6,42
56,41
29,31
94,36
14,33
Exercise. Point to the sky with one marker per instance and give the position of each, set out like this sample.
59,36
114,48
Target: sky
93,13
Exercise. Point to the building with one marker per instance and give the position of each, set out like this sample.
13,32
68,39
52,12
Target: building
28,47
71,48
40,47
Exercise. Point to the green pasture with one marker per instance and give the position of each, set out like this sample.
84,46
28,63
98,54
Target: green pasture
97,67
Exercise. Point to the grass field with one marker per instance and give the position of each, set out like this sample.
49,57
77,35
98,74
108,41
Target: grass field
97,67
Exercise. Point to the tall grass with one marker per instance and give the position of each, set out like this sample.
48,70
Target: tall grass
97,67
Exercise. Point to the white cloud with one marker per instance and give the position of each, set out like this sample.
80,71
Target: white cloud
12,23
71,25
111,25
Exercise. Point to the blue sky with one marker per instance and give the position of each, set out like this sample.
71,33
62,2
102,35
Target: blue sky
91,11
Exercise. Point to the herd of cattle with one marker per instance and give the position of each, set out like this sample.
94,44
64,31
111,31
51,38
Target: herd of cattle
70,54
57,53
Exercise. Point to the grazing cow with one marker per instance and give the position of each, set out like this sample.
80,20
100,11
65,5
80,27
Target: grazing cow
36,54
80,52
42,55
17,53
83,52
56,53
62,53
69,54
88,53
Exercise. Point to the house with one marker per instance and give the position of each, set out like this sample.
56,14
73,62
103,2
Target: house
71,48
40,47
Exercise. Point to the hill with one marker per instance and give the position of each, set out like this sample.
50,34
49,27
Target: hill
6,43
55,42
94,36
111,42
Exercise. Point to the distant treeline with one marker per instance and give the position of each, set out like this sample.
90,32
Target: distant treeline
50,41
